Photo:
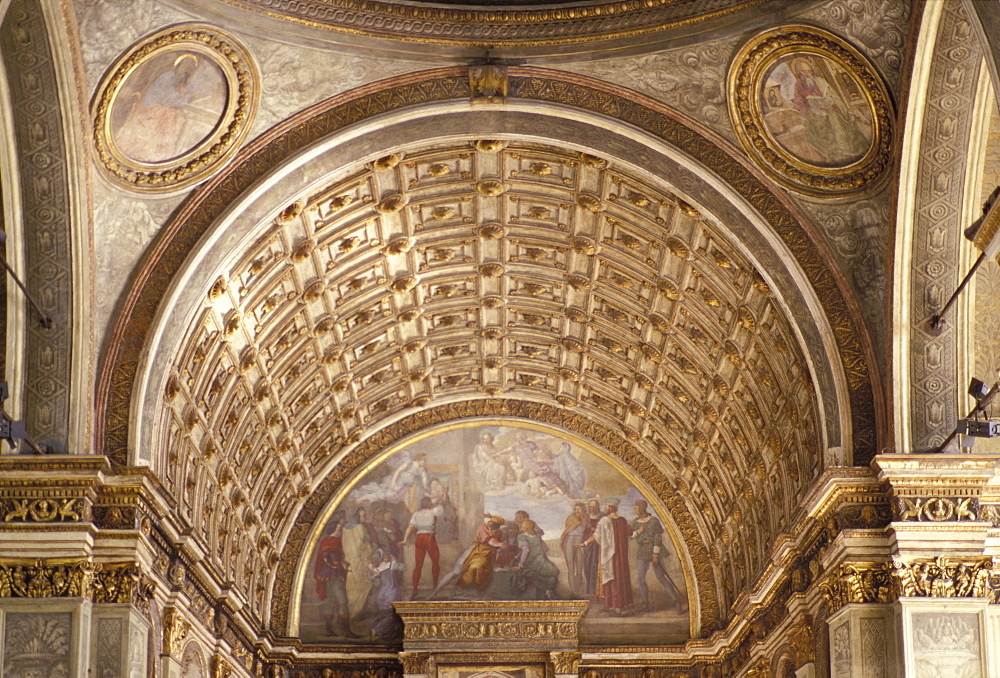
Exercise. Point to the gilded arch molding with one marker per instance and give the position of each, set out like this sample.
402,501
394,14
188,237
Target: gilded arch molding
613,441
180,236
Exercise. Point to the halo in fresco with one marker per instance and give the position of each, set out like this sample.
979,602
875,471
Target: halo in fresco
495,511
811,110
174,108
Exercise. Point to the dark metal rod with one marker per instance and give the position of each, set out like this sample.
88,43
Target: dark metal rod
46,320
936,320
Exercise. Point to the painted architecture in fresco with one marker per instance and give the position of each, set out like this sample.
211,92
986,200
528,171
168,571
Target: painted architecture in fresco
494,512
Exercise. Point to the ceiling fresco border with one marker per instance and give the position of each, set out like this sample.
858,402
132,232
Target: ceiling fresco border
180,236
492,27
286,583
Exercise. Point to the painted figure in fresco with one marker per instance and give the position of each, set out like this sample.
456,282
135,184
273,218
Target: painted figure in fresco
359,540
525,452
570,540
534,569
590,549
570,471
162,121
423,524
331,581
406,485
388,533
447,528
475,565
828,124
650,551
486,464
387,587
613,535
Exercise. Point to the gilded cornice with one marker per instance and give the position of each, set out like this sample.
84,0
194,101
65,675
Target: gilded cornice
493,26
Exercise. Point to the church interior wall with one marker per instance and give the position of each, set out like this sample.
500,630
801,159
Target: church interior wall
268,340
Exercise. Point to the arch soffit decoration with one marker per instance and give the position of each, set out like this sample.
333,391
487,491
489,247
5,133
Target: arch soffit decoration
211,201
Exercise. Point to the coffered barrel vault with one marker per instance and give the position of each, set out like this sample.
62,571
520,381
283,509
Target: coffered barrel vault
365,279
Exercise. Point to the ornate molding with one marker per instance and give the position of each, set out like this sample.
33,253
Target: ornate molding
43,510
860,583
949,578
940,577
175,630
936,509
566,663
98,582
238,104
45,196
493,26
415,662
452,626
41,580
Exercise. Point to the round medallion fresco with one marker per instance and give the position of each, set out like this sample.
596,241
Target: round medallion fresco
174,108
494,510
811,110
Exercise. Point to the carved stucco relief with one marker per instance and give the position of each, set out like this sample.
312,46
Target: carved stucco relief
938,226
946,645
36,645
877,29
691,79
45,201
874,648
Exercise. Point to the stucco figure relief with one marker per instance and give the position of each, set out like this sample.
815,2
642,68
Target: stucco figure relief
494,512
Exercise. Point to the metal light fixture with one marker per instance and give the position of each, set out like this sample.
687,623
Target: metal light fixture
983,233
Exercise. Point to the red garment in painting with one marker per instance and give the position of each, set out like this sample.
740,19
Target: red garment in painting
616,582
329,563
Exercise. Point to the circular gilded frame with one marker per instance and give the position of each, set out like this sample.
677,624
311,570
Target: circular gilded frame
811,110
174,108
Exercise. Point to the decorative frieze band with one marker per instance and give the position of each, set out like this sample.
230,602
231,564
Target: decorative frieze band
936,509
100,583
938,577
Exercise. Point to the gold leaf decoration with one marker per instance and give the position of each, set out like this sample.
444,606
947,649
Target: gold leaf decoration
491,270
491,187
491,231
387,162
391,204
589,202
490,145
584,246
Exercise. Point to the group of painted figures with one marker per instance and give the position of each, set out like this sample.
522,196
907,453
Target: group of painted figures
505,560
